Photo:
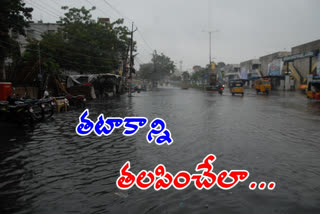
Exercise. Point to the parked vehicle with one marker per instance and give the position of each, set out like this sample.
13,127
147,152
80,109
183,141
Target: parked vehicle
20,112
47,107
262,85
313,90
46,104
94,86
78,101
185,85
236,87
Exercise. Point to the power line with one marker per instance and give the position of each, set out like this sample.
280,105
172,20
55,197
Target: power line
98,8
117,11
30,49
113,8
57,16
125,17
37,30
49,11
145,40
139,61
72,51
53,14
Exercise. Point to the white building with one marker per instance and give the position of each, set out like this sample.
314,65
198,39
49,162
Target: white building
34,31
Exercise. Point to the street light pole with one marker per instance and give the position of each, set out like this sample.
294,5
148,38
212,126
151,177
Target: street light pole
210,48
210,35
210,57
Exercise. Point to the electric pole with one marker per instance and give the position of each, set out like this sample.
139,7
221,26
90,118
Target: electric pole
155,76
131,61
39,54
40,72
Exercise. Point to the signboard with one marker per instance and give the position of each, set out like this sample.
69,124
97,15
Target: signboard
275,67
243,73
318,65
298,56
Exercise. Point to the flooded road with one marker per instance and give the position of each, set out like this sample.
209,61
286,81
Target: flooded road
276,138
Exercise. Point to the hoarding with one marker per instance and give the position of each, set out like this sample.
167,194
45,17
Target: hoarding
244,73
275,67
318,65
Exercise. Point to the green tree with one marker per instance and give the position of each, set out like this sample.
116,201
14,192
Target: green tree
200,75
85,45
146,71
161,66
185,76
14,17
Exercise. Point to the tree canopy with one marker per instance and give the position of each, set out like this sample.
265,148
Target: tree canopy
14,17
160,67
201,74
83,44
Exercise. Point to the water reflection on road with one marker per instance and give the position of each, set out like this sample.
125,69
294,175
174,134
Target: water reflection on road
276,138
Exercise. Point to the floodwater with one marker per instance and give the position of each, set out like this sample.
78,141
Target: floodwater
276,138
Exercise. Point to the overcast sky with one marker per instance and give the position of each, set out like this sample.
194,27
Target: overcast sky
246,28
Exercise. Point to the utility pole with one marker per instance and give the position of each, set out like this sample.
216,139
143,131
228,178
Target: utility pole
131,61
39,57
155,76
40,72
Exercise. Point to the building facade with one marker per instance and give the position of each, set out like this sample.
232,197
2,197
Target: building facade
252,65
265,60
231,68
34,31
306,66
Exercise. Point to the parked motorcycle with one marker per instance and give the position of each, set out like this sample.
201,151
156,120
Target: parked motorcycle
78,101
26,110
20,112
47,107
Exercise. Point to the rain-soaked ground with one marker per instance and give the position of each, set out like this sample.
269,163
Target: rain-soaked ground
276,138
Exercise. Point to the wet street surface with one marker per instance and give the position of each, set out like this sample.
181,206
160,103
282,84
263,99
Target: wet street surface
51,169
